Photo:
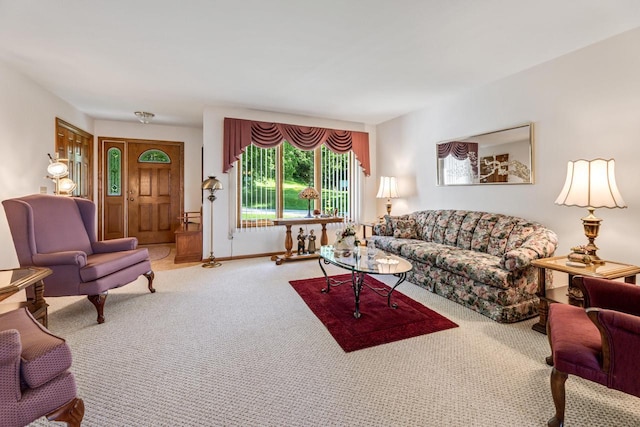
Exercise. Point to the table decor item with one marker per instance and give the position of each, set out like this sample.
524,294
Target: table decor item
346,238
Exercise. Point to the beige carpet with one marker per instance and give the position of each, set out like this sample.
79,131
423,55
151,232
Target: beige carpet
236,346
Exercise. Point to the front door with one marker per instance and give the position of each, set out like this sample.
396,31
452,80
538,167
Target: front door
142,190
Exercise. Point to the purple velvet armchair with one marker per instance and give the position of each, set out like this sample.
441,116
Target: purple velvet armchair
600,342
34,374
60,233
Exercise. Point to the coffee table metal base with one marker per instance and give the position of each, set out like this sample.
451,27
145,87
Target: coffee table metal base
357,282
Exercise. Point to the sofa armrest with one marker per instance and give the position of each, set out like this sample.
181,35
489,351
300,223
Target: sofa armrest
539,244
115,245
78,258
609,294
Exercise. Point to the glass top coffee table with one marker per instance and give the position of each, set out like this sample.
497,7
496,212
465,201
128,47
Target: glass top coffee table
360,263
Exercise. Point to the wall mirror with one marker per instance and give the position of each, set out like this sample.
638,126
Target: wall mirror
503,156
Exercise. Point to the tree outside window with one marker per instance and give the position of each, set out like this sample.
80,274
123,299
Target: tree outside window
271,178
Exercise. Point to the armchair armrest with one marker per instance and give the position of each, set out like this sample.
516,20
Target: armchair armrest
620,334
78,258
10,347
609,294
115,245
10,350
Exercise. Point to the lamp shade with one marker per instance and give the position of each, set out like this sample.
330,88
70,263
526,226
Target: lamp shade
308,193
591,184
57,169
211,183
66,186
388,188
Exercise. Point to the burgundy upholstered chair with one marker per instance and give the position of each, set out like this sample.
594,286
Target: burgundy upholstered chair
60,233
34,374
600,342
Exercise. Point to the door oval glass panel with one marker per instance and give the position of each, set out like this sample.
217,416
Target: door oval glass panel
154,156
114,172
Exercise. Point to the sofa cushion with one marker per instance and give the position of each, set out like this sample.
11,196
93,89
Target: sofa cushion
500,235
482,233
101,265
479,266
393,245
405,229
423,252
467,228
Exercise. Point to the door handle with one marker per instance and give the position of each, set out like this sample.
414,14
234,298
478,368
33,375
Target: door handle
131,199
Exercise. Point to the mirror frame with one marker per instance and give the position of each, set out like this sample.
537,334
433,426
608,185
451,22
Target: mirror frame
486,138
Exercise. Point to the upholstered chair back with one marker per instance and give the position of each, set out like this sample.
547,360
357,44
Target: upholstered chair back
43,223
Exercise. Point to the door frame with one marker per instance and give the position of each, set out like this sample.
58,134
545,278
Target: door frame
125,177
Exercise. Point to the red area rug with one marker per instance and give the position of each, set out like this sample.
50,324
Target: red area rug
378,323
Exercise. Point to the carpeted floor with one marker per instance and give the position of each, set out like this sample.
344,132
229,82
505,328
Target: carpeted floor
236,346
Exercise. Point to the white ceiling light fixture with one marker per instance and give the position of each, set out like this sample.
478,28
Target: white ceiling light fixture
144,116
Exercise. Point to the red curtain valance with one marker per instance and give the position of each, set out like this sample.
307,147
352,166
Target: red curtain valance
459,150
239,134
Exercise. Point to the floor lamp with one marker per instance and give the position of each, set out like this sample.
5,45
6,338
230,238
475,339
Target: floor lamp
213,185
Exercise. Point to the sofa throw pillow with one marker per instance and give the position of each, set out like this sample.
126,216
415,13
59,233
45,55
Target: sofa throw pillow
405,229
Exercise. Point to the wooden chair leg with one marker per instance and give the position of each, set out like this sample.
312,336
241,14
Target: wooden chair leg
558,392
71,413
98,301
150,275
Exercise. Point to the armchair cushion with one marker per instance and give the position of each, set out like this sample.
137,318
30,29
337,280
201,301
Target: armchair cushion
576,349
103,264
44,356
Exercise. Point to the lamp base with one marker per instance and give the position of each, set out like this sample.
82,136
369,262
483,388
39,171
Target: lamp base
211,263
591,224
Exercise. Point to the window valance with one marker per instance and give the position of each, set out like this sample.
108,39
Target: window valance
239,134
459,150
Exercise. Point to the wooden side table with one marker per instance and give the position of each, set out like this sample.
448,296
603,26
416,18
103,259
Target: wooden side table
288,240
568,294
14,280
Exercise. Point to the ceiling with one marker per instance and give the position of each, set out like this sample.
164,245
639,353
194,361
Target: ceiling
356,60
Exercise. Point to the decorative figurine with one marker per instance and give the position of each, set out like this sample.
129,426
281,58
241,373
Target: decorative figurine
301,239
312,242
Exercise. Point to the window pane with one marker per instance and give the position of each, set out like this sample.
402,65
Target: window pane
114,172
258,186
298,175
335,177
258,179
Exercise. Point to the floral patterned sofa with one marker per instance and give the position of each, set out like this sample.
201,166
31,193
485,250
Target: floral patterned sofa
478,259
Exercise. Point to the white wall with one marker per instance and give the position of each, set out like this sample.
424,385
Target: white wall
583,105
227,241
27,134
192,138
